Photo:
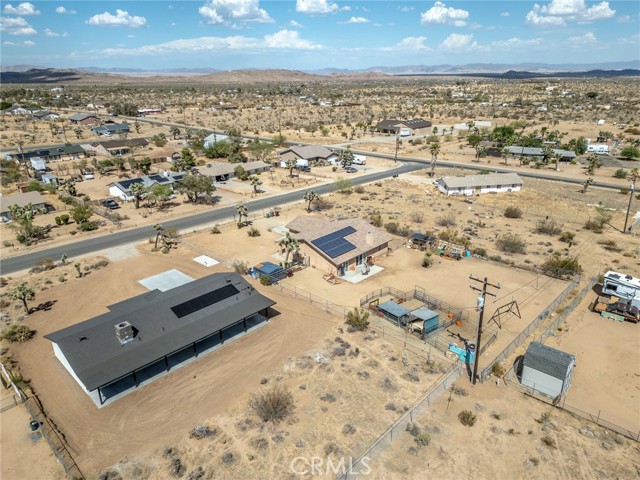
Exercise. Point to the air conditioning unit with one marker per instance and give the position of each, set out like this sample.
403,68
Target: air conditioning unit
124,332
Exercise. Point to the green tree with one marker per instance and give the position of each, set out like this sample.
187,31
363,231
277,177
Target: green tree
346,158
578,145
240,173
242,213
547,154
175,131
435,151
158,195
24,217
291,164
69,186
593,162
630,152
586,184
186,161
197,187
358,318
475,141
235,146
260,150
219,149
255,182
139,192
159,140
310,197
136,125
279,140
502,135
290,245
343,185
144,165
81,214
23,292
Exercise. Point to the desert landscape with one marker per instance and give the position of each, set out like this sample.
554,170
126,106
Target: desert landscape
342,375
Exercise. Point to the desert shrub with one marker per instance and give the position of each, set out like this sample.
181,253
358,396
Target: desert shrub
567,237
510,243
358,318
460,391
201,431
513,212
58,221
620,173
64,218
343,185
548,227
265,280
481,252
215,230
453,236
422,439
427,260
610,245
358,189
416,217
273,404
467,418
448,220
44,265
559,267
376,219
240,267
253,232
595,226
395,229
17,333
548,441
497,370
88,226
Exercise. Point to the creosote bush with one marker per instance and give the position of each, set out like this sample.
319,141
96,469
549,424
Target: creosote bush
273,404
240,267
511,244
17,333
497,370
513,212
358,318
548,227
560,267
467,418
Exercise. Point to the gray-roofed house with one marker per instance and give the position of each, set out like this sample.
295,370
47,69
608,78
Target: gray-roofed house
61,152
547,370
36,200
537,153
477,184
84,119
311,153
49,179
403,127
211,140
221,171
116,147
122,188
110,129
38,164
142,338
339,246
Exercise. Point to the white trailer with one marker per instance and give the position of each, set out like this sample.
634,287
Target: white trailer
625,287
359,159
598,149
300,162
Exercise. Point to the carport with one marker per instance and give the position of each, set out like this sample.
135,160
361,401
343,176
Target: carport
395,312
427,318
271,270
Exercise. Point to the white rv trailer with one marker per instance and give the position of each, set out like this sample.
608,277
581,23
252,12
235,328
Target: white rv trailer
598,149
625,287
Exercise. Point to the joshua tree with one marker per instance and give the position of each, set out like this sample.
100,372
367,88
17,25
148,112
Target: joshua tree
504,153
136,125
586,184
242,213
175,131
289,244
310,197
78,132
291,164
255,182
435,151
23,292
138,191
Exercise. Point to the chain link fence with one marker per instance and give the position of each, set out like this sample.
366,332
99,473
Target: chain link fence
326,305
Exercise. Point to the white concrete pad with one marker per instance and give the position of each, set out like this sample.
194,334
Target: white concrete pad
206,261
166,280
356,276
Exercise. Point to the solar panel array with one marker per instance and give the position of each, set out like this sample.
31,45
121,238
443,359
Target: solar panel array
127,183
204,301
334,244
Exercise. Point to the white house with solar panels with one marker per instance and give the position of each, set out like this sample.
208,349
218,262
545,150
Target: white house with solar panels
478,184
143,338
340,246
122,188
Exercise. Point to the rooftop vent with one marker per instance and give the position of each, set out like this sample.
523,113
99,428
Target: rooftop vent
124,332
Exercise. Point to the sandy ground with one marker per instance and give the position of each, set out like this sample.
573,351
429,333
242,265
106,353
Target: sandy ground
506,442
23,453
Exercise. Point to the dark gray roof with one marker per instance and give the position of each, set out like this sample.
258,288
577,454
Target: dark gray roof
548,360
537,152
113,128
100,358
50,152
129,142
414,123
78,117
394,309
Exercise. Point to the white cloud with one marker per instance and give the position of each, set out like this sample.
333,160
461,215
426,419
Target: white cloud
581,40
406,9
559,12
410,44
131,36
50,33
516,42
63,10
441,14
457,42
25,8
282,40
356,20
295,24
120,19
10,44
505,14
226,11
29,43
16,26
26,43
316,7
632,40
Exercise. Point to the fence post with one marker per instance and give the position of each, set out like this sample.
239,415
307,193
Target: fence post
598,419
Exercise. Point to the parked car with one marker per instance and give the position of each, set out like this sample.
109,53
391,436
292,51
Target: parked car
303,168
110,204
351,170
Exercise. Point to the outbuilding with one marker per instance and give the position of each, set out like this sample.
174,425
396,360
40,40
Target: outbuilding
477,184
142,338
547,370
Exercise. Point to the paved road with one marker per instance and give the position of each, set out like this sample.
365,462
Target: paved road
90,245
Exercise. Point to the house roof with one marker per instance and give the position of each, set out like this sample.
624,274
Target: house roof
537,152
118,127
472,181
215,137
423,313
548,360
78,117
309,151
310,230
414,123
164,322
130,142
50,152
148,181
394,309
215,169
20,199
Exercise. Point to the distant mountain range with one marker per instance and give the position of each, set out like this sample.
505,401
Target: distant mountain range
26,74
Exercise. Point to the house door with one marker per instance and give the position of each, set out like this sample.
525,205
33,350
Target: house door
478,190
343,268
359,259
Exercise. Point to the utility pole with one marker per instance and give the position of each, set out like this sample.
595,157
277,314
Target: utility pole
632,187
397,144
481,302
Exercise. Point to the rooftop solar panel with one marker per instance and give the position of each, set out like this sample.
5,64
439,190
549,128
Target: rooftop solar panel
343,232
341,249
204,301
128,183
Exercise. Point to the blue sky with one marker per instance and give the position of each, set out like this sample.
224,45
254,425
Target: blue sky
314,34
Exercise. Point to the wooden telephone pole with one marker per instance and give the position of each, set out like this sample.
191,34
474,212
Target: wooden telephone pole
481,302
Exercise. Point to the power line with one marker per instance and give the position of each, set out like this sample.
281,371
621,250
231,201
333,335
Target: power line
481,302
